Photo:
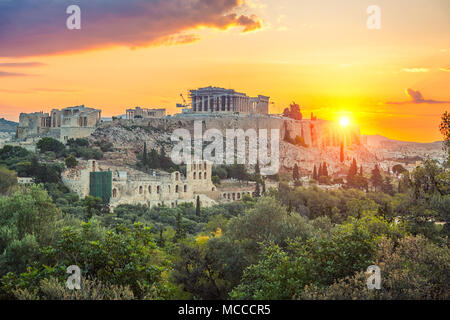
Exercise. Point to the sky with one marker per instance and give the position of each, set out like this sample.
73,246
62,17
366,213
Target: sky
392,81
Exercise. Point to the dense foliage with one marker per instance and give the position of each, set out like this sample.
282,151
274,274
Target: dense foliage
289,243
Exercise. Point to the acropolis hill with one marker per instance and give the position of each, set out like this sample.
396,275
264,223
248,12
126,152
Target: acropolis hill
322,138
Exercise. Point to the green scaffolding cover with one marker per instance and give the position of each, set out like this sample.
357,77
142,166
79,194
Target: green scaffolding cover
100,185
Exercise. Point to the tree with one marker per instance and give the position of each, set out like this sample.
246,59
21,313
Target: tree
376,179
197,207
28,223
179,232
8,180
325,169
398,169
295,174
387,186
257,188
93,206
444,127
49,144
352,173
361,171
144,154
71,161
341,154
315,175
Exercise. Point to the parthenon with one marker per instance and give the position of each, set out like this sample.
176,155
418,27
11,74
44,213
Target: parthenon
215,99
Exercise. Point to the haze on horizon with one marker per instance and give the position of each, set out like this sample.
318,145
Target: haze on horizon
320,54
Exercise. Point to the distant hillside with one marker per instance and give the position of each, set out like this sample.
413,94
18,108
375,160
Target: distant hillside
7,126
378,140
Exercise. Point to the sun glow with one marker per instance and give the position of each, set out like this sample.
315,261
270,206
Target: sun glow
344,121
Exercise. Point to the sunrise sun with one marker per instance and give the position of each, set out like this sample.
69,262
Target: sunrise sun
344,121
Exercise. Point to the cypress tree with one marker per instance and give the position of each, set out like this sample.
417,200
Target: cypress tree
295,174
325,169
376,178
197,207
179,233
144,156
342,153
315,173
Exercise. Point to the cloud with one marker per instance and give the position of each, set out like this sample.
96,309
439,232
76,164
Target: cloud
31,28
416,70
417,98
445,69
12,74
21,64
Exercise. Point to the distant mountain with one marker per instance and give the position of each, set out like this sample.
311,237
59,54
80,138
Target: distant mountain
7,126
378,140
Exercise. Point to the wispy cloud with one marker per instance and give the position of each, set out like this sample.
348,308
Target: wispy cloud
445,69
32,30
417,98
21,64
12,74
416,70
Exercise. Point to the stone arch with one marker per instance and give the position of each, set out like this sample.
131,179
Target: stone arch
149,189
114,193
185,188
176,189
140,189
195,175
158,189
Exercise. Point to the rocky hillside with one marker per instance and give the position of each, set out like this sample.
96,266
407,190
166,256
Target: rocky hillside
128,139
7,126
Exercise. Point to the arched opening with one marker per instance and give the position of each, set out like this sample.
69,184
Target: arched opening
149,189
114,193
204,175
195,175
185,188
93,166
158,189
177,176
176,189
140,190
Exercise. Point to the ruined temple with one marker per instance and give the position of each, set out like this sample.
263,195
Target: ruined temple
64,124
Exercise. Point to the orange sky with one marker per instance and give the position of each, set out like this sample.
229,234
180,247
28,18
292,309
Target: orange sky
320,55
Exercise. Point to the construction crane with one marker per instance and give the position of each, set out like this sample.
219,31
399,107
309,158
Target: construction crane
184,104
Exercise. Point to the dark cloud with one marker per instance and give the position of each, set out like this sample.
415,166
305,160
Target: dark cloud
12,74
30,27
416,98
21,64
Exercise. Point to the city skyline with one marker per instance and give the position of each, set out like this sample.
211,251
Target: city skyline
393,81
